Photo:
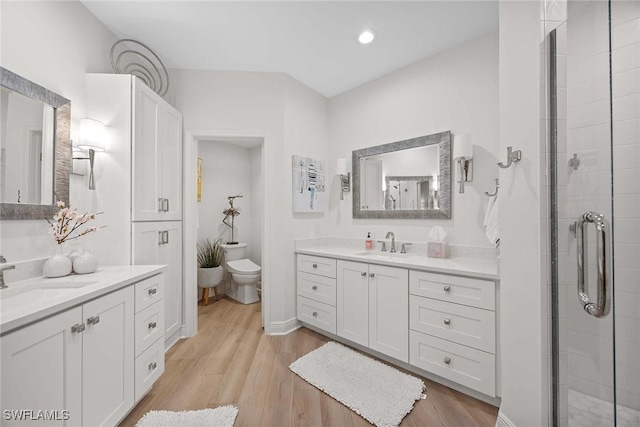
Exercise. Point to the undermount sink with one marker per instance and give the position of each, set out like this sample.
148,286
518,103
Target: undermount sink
42,285
383,255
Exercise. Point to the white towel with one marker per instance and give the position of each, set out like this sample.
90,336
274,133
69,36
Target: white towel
491,219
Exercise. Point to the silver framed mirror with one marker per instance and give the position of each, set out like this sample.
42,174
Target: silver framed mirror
409,179
35,148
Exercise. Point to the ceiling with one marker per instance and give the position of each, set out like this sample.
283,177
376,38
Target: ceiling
314,42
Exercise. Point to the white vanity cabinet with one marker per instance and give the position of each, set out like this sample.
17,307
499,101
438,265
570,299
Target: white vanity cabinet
157,157
316,283
80,360
372,307
453,328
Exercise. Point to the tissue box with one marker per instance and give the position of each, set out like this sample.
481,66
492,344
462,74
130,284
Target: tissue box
437,249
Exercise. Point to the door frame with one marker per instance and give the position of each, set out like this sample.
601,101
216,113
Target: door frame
190,219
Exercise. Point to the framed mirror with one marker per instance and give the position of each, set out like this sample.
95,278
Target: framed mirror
408,179
35,148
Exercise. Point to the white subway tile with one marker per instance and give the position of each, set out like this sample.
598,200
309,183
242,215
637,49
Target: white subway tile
588,91
623,11
626,107
625,58
626,132
625,34
626,82
591,67
626,157
627,279
588,114
627,305
626,181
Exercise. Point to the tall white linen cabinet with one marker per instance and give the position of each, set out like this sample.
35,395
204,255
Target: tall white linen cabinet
139,183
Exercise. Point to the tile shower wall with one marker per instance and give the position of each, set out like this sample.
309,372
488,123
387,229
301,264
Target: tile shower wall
590,353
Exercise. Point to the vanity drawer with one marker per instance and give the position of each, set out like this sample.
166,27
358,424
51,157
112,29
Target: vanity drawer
317,314
149,291
461,290
149,326
470,326
317,265
466,366
148,368
318,288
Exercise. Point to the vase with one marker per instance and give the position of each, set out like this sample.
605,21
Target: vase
58,265
85,263
209,277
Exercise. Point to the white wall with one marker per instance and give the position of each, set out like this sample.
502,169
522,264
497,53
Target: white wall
520,217
456,90
226,171
293,118
256,205
53,44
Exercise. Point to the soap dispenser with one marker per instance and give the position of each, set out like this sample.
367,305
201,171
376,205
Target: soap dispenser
368,244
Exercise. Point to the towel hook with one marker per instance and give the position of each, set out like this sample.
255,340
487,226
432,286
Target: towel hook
512,157
495,192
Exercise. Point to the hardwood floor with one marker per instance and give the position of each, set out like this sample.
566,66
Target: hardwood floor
230,361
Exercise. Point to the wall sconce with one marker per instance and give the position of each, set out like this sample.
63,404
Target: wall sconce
345,177
92,136
463,154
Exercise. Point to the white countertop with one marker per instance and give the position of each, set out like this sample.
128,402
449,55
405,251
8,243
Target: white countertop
484,268
30,300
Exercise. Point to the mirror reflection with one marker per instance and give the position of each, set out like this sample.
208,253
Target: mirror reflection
27,154
404,179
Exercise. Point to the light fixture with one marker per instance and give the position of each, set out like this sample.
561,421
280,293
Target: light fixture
366,36
463,154
345,177
92,138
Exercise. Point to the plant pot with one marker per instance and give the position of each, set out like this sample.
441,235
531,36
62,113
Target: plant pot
58,265
209,277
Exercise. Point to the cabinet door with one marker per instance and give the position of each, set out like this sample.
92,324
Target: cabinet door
161,243
42,369
171,162
389,311
147,205
107,358
353,301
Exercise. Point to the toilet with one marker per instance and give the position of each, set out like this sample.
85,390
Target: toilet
244,273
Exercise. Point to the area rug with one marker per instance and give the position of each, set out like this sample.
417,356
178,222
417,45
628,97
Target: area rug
379,393
223,416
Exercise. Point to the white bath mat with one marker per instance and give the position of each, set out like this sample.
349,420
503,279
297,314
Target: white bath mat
379,393
223,416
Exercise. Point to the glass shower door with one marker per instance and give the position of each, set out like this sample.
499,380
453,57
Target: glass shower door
595,214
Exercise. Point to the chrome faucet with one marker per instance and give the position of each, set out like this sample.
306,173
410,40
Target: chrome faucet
3,267
393,241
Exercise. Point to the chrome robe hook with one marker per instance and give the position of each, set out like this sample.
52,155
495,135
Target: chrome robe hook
512,157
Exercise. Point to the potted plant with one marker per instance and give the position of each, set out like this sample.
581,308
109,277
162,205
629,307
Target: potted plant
209,269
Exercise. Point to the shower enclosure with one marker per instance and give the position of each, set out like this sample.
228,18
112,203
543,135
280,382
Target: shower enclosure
594,214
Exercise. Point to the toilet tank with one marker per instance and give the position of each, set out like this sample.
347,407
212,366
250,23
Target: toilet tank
234,252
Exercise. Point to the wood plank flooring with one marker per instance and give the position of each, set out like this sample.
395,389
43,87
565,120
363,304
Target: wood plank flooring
231,361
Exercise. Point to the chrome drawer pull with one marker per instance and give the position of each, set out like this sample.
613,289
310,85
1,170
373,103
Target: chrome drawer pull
153,366
447,288
314,287
315,266
447,360
160,205
94,320
314,314
363,274
153,291
77,328
447,321
372,275
152,325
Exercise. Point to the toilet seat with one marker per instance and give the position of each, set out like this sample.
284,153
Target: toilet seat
243,266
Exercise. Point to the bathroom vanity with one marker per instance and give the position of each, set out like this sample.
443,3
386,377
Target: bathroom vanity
435,317
86,348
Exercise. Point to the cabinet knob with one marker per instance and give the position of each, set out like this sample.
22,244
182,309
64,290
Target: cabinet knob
152,325
447,288
153,291
447,321
447,360
314,287
315,266
314,314
93,320
372,275
77,328
153,366
363,274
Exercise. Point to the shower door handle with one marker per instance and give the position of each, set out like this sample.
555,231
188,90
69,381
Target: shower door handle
601,307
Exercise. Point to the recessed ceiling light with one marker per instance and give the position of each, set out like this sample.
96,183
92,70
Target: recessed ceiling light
366,36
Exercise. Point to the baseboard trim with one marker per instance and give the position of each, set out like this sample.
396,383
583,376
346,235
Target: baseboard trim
503,421
284,328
